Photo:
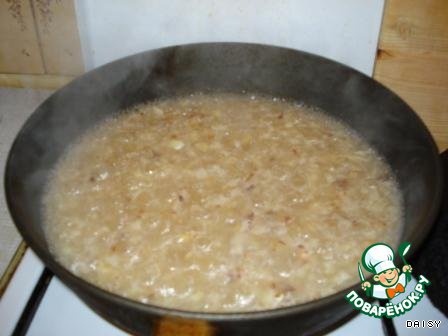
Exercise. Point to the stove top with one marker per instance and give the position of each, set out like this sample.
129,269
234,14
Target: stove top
36,303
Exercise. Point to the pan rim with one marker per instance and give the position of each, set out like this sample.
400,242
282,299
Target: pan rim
80,285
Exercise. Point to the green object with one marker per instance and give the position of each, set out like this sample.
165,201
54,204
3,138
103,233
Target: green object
402,250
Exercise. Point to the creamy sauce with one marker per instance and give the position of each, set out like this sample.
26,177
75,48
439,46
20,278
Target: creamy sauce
220,203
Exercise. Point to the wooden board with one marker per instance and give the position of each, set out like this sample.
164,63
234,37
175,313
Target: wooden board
19,46
413,59
43,81
58,35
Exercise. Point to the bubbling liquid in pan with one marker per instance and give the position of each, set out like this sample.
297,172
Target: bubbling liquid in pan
220,203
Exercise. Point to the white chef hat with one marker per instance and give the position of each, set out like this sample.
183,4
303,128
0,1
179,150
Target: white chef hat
378,257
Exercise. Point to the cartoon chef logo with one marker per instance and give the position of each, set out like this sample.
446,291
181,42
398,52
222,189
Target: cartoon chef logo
388,283
389,280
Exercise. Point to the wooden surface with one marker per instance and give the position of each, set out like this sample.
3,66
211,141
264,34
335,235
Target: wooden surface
39,37
19,45
413,59
58,35
43,81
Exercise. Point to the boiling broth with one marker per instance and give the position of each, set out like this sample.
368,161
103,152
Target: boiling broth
220,203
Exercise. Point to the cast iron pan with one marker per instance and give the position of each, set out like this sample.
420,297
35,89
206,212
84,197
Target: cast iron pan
377,114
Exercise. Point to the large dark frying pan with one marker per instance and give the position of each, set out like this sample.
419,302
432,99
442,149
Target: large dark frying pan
377,114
